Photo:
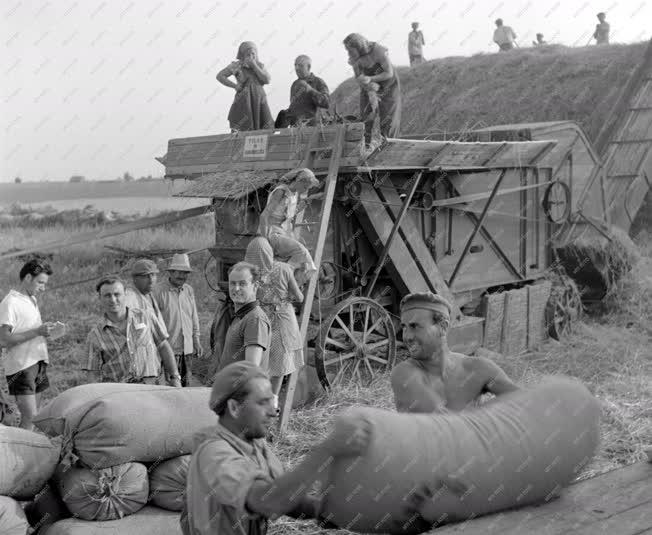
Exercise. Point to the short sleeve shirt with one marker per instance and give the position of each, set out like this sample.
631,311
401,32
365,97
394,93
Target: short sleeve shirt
20,312
252,329
120,357
222,470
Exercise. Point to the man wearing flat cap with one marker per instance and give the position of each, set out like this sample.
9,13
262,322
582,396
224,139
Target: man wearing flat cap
277,221
144,273
235,482
434,378
175,299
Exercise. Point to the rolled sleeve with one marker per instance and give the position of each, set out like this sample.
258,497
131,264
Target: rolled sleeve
7,315
159,332
257,332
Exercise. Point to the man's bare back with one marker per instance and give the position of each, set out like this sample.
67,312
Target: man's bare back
421,386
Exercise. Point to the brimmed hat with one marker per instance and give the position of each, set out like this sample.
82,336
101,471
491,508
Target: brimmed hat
426,301
180,262
144,266
230,379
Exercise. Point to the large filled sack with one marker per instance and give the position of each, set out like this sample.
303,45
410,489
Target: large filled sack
111,423
518,449
12,517
104,494
167,483
27,461
148,521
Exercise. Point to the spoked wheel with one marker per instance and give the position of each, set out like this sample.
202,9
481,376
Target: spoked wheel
564,307
357,342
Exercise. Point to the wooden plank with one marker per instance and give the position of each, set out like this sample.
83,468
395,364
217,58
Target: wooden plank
414,241
399,254
584,507
115,230
327,204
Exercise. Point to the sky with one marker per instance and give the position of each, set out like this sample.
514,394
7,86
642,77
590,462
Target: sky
97,87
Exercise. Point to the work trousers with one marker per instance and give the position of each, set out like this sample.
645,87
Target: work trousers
389,112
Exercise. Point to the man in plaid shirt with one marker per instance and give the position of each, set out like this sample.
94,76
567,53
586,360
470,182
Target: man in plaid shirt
124,347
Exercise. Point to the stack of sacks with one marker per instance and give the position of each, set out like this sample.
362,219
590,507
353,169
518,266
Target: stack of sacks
27,461
110,433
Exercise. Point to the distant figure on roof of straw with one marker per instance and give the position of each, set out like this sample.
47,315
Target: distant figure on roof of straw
539,41
601,34
276,223
380,89
277,290
504,36
249,110
415,45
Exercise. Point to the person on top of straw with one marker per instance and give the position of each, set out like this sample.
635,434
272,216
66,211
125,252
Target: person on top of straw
235,482
504,36
124,347
24,336
540,41
277,290
415,45
601,34
248,337
249,110
175,299
276,222
378,79
434,378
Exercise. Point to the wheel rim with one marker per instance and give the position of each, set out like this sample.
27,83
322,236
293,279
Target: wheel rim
356,343
563,310
328,280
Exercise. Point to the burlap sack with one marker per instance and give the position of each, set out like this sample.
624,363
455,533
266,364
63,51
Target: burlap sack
105,494
167,483
519,449
148,521
12,518
108,424
27,461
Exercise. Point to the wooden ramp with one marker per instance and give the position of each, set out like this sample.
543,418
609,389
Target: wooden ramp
616,503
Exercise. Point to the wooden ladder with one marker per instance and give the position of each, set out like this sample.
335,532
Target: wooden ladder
327,204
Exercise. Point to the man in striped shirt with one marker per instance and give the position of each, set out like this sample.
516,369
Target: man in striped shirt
124,347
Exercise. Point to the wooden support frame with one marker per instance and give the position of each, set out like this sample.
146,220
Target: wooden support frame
329,189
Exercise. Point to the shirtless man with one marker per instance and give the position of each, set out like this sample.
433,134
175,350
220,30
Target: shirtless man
434,378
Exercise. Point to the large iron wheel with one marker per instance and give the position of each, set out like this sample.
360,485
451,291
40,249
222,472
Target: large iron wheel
356,342
564,307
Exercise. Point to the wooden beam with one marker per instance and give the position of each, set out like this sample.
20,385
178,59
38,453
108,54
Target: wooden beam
331,183
115,230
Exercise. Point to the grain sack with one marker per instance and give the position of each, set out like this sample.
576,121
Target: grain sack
148,521
46,508
104,494
27,461
12,518
110,423
167,483
518,449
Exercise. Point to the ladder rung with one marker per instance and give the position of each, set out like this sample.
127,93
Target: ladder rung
640,108
622,176
630,141
320,149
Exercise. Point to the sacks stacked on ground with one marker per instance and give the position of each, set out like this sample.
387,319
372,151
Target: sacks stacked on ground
107,424
520,448
167,483
12,517
110,432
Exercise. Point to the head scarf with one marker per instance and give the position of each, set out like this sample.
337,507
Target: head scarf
357,41
260,254
244,48
230,380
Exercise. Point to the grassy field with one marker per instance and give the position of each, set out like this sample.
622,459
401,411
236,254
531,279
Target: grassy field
610,353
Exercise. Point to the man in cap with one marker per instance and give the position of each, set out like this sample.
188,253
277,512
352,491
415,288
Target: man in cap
277,221
308,94
144,274
434,378
175,299
504,36
124,347
249,336
235,482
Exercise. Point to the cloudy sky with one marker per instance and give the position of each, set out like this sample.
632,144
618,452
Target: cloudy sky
97,87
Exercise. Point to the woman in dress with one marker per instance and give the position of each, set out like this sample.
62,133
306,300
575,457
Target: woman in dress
277,291
249,110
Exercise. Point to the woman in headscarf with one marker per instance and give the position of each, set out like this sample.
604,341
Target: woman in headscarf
277,221
375,73
277,291
249,110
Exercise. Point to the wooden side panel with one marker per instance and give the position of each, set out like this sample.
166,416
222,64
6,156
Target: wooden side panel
640,126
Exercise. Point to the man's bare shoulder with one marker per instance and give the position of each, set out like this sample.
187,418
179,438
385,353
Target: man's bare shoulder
403,371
